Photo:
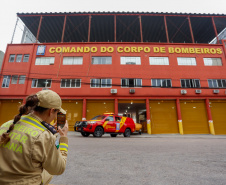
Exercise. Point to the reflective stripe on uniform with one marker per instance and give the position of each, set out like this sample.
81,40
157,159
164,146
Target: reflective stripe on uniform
31,121
63,146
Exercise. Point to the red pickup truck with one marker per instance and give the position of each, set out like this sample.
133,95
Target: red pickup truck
107,123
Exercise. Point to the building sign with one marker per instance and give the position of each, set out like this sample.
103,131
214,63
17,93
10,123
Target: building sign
138,49
41,50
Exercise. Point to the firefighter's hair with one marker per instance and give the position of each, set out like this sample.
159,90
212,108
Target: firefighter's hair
31,104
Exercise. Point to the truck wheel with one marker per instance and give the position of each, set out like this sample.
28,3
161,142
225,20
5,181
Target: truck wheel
85,134
99,131
127,133
113,135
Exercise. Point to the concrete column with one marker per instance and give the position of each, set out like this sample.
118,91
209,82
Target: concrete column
84,110
148,117
116,106
210,120
180,125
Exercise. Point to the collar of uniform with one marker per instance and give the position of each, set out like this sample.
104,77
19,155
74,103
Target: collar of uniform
47,125
35,117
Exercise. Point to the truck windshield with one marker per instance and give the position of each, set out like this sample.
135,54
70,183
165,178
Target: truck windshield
99,117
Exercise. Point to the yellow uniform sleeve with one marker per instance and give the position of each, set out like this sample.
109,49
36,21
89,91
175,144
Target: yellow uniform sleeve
45,152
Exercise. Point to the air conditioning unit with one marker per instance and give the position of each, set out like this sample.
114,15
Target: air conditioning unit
132,91
183,91
198,91
216,91
113,91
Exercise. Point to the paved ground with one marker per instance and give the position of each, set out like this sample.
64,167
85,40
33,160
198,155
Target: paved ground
145,160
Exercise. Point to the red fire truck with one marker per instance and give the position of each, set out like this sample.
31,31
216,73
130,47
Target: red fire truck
107,123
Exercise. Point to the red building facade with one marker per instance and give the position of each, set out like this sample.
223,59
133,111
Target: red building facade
167,87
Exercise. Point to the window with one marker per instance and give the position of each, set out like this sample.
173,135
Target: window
186,61
44,60
70,83
14,79
95,82
41,83
105,82
217,83
130,82
117,118
159,60
26,58
72,60
101,60
161,83
11,58
212,61
18,58
101,83
6,81
22,79
190,83
130,60
110,118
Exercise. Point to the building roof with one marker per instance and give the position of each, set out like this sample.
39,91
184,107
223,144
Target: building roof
124,26
117,13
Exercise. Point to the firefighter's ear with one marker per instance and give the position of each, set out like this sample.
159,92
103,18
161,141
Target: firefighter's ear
51,112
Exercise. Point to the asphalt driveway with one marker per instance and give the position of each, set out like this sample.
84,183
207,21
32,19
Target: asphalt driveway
145,160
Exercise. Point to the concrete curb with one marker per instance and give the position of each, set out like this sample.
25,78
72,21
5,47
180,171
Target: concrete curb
145,135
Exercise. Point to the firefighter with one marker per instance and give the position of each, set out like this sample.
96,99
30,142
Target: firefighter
28,153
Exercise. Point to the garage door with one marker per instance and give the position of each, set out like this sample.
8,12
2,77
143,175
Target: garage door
194,117
8,109
74,111
163,117
218,112
98,107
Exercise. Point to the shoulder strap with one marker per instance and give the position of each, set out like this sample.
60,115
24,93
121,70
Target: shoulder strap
49,127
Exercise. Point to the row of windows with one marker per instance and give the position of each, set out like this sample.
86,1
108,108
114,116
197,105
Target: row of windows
136,61
123,60
15,79
19,58
125,82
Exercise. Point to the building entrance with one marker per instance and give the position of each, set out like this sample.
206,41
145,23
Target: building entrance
135,109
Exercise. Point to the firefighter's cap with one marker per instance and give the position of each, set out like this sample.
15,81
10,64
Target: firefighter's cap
50,99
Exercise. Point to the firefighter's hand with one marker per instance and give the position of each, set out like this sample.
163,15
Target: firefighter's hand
55,125
63,131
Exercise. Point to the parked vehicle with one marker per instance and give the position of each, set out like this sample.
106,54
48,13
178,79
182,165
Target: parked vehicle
138,128
107,123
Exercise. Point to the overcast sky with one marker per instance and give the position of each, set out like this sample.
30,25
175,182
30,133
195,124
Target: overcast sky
9,8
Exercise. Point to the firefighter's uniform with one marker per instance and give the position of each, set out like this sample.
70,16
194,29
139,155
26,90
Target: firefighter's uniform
31,154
